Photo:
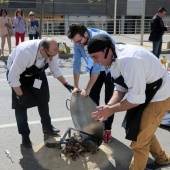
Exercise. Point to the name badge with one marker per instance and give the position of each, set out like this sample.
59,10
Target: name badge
37,83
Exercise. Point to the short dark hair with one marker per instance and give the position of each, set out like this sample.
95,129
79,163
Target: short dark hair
98,43
161,9
76,28
3,9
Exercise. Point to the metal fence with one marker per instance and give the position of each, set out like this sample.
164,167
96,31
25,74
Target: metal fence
127,26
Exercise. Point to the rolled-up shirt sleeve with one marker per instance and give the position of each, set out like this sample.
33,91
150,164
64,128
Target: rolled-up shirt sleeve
134,77
120,88
54,67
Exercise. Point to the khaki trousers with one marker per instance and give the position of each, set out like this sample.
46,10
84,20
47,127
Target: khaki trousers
146,140
8,37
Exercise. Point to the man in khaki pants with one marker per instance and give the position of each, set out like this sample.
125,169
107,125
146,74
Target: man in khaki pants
140,75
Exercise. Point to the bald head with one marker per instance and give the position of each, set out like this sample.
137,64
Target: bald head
49,48
49,44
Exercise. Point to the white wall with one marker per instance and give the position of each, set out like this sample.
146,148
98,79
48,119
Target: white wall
134,7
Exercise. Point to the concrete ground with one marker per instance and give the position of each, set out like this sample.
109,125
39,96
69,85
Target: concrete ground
27,158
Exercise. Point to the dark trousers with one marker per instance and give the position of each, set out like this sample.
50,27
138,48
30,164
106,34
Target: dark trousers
109,88
157,46
31,36
22,119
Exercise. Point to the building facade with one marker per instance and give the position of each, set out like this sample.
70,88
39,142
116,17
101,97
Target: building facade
60,13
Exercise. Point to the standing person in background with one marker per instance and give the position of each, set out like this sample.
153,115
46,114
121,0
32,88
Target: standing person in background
157,31
99,75
5,22
19,25
33,26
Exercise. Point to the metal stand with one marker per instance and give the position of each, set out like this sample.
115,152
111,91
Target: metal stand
90,139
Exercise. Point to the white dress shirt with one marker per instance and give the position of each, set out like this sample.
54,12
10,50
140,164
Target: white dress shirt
23,57
139,67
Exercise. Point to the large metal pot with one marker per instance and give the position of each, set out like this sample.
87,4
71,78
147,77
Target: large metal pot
81,110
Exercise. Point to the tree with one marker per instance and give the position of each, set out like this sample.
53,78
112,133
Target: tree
42,10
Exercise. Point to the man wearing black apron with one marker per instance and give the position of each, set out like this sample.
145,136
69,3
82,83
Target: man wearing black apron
26,75
140,75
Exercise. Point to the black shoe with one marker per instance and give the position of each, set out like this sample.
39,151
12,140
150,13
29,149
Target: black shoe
52,130
26,142
156,166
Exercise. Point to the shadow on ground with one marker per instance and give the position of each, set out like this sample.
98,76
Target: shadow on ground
114,155
28,162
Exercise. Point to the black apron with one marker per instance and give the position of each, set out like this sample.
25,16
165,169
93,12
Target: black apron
33,95
133,116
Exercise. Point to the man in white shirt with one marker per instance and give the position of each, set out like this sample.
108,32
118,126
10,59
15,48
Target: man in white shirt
26,76
140,75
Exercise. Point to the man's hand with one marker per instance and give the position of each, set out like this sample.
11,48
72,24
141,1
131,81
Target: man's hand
6,24
75,91
103,113
22,100
69,87
84,94
168,27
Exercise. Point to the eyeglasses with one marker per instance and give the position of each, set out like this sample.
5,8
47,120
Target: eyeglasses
48,55
31,15
79,41
3,12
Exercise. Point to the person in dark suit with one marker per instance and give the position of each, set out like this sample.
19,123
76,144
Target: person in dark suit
157,31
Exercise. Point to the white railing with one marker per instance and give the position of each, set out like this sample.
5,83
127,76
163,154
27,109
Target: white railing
127,26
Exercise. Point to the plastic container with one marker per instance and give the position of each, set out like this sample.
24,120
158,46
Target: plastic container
163,61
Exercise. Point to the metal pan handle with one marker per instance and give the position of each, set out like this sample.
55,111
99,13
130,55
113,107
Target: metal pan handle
67,104
78,92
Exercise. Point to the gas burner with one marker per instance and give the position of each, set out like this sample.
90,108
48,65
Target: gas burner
75,143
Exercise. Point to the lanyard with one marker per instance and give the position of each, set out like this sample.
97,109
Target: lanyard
43,68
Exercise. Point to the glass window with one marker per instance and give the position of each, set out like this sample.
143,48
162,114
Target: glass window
22,4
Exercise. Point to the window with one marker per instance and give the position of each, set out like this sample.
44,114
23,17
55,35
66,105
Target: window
22,4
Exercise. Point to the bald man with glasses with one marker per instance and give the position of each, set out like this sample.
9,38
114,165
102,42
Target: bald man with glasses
26,76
